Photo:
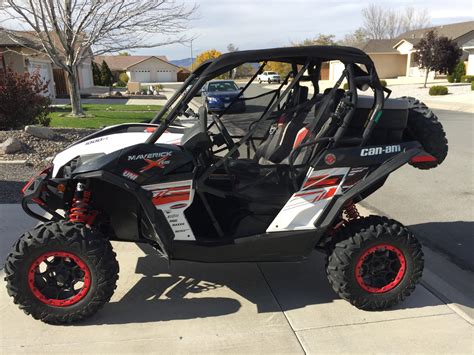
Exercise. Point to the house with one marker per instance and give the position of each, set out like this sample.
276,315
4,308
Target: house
143,69
23,53
395,57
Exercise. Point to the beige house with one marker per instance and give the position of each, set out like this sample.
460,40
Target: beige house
22,54
142,69
395,57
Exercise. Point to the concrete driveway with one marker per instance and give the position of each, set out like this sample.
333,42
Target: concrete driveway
237,308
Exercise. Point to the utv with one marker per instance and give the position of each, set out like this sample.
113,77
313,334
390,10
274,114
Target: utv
286,185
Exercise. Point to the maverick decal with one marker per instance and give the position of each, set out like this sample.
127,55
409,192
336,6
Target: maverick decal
149,156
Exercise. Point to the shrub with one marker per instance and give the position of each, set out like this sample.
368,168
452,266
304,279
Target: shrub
438,90
450,78
472,85
467,78
459,71
23,100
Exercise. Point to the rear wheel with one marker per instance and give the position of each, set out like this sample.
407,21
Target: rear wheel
423,126
61,272
375,264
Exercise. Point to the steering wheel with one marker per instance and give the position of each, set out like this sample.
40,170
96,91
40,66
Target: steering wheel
229,142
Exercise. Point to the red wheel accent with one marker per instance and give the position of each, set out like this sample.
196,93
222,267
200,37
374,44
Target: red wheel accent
391,281
74,263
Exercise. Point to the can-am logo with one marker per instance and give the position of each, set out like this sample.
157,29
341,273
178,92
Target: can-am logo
380,150
149,156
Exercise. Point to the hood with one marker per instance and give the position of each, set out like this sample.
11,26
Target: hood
223,93
107,144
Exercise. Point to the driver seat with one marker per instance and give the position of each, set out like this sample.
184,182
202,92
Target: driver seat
279,142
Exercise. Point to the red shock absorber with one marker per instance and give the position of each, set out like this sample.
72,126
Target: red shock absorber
351,212
80,211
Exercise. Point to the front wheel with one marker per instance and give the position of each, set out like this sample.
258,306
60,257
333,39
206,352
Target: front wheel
375,264
61,272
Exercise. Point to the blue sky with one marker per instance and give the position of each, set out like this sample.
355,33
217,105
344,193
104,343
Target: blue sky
253,24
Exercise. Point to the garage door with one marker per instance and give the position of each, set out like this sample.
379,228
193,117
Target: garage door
142,75
165,76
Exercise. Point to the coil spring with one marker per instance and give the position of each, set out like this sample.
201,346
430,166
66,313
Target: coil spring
351,212
79,212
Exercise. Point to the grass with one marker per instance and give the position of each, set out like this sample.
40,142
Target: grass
99,115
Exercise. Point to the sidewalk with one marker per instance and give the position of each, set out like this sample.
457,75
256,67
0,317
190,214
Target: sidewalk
240,308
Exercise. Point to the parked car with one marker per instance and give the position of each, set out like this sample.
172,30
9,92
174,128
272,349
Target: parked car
269,77
217,95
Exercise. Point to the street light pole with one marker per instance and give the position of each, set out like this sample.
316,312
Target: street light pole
192,59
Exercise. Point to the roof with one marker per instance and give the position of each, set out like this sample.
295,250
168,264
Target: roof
123,62
16,39
297,55
453,31
380,46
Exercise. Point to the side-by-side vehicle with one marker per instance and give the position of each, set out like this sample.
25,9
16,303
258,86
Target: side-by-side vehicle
283,185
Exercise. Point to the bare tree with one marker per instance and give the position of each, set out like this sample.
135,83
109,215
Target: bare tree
355,39
413,19
68,30
382,23
375,23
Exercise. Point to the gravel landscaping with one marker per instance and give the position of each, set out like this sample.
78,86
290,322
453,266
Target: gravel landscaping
36,153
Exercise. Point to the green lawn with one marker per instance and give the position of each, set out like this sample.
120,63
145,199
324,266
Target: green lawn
103,115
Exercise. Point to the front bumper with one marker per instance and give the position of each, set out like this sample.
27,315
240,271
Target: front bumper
42,191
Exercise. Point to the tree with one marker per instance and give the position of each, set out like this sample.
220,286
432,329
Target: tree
380,22
106,76
124,54
435,53
320,40
206,55
232,48
96,74
281,68
355,39
68,30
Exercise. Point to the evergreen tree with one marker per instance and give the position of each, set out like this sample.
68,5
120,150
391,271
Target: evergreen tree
96,74
105,74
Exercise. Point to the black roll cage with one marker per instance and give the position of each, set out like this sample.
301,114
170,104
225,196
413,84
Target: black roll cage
309,59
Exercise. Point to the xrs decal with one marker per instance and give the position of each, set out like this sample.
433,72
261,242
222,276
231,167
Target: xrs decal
380,150
160,163
305,206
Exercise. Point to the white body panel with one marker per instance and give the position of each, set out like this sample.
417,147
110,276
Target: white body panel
173,199
305,206
108,144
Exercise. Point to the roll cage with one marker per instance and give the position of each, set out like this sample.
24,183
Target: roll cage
306,65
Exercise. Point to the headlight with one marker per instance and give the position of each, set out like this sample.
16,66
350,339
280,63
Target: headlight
212,99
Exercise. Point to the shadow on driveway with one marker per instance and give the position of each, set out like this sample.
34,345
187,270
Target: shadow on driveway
178,292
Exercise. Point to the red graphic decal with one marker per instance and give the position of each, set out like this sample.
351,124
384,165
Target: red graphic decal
319,194
171,194
160,163
322,181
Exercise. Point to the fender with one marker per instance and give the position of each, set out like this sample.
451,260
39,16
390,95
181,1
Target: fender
379,174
